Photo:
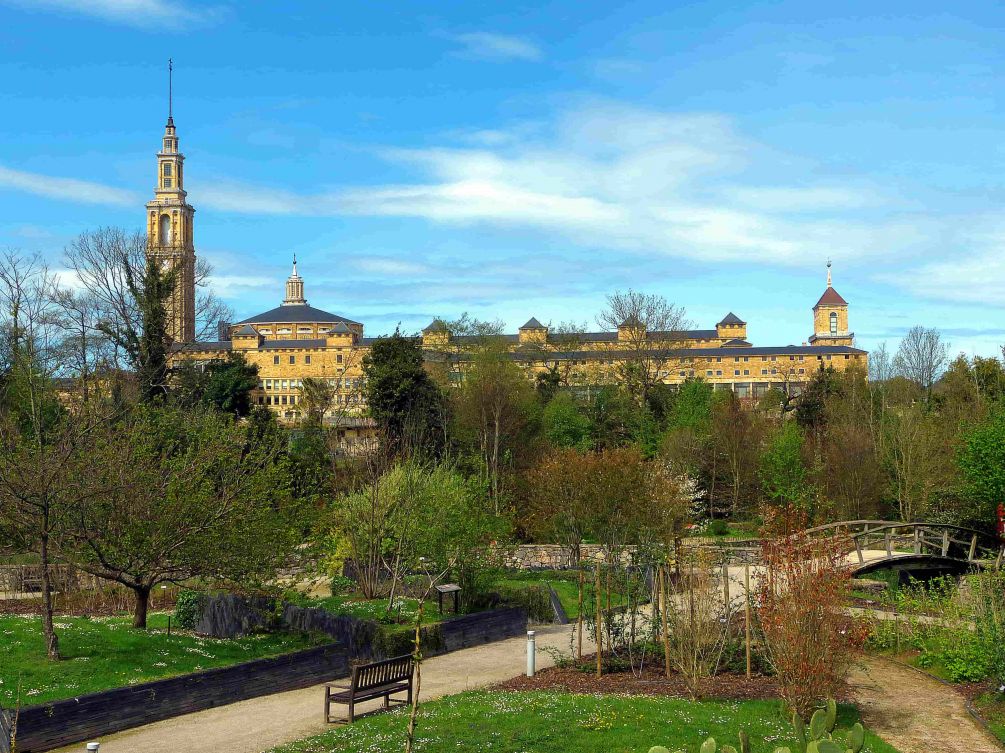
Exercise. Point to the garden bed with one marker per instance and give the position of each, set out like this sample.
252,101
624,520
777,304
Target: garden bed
103,653
650,681
549,722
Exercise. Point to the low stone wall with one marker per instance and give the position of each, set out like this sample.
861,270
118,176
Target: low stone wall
53,725
557,556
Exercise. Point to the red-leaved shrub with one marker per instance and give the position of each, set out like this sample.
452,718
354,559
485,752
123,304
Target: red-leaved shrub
810,641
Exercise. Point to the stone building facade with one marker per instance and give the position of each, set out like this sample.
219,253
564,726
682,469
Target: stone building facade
296,341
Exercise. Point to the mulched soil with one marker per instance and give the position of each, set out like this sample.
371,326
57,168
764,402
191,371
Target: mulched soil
651,681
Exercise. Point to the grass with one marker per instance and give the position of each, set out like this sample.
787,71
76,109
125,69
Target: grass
103,653
544,722
991,706
565,583
403,613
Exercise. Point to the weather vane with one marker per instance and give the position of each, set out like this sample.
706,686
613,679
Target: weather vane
170,83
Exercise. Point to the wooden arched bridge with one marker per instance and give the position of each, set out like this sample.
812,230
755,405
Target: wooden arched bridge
878,544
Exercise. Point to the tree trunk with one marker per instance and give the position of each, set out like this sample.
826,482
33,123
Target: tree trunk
48,630
142,594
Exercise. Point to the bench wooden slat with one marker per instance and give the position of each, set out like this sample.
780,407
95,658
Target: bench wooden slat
369,681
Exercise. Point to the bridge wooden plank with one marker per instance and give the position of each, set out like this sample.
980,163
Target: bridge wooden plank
945,542
889,545
858,549
973,547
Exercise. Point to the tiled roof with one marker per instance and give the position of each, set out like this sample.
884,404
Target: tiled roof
305,343
731,318
437,325
199,346
780,350
831,298
299,312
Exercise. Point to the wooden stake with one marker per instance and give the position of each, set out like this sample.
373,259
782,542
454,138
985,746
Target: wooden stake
600,635
663,615
579,621
746,612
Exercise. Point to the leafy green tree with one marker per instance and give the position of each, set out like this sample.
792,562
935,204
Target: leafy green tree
564,423
222,384
982,462
403,399
497,416
692,406
782,470
181,494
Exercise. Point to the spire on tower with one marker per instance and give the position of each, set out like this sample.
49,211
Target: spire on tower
295,266
170,91
828,273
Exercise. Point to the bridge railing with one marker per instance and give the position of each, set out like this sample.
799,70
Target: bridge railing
931,539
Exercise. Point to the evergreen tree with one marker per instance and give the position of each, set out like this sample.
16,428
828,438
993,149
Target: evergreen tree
403,399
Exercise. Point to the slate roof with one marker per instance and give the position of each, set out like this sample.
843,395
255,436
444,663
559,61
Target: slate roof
731,318
199,346
437,325
298,312
341,328
247,329
737,344
779,350
533,323
305,343
831,298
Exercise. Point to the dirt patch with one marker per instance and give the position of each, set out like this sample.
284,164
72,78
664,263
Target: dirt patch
650,681
914,712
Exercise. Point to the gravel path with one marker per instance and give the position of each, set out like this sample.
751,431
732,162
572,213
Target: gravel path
262,723
915,713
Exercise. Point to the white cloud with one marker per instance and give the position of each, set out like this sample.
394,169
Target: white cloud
157,14
68,189
483,45
606,175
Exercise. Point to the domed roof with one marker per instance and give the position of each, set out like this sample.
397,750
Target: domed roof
294,314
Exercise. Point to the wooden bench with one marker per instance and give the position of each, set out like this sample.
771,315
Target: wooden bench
370,681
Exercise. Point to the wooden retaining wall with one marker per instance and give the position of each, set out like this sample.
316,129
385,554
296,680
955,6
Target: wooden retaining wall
89,717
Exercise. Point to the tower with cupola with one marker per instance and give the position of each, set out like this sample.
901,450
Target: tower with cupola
830,318
170,240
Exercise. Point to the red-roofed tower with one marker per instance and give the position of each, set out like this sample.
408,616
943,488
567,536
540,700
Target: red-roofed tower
830,318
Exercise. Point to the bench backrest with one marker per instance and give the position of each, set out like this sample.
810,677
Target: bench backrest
398,669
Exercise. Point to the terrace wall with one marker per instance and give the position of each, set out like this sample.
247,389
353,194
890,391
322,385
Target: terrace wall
53,725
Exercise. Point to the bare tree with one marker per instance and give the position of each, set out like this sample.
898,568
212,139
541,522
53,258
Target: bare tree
649,328
921,357
112,264
38,440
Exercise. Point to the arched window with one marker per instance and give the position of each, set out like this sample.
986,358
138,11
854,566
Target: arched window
834,323
165,233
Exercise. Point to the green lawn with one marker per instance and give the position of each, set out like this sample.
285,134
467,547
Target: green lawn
103,653
403,612
992,707
562,723
565,583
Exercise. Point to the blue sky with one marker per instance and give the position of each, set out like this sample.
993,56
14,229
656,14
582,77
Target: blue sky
524,159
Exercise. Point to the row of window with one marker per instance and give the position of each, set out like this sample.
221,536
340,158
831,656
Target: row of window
307,359
295,384
294,399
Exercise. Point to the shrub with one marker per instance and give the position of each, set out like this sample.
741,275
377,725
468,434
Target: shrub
188,609
341,585
717,527
809,641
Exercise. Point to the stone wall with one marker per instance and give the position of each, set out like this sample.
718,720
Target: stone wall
556,556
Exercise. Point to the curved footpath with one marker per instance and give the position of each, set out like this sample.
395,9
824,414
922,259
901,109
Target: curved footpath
259,724
914,712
